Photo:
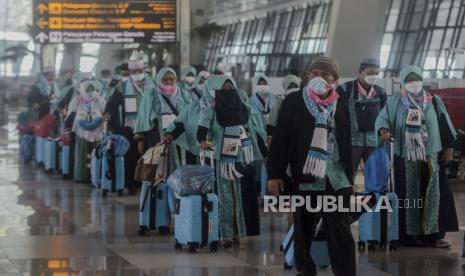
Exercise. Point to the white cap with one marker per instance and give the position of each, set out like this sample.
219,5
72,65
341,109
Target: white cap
221,67
136,64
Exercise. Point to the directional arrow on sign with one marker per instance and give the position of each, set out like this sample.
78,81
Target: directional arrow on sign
41,37
41,23
41,8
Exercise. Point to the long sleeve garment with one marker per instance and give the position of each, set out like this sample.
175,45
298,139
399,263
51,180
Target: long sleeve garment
293,135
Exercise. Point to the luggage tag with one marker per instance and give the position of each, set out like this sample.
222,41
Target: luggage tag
167,119
130,105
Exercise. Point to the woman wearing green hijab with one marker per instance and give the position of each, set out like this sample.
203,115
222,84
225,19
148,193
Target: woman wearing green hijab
422,133
159,109
227,126
187,83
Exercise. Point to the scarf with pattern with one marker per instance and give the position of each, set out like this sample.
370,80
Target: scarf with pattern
416,134
320,147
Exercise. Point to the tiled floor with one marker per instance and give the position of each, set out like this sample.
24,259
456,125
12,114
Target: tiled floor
53,227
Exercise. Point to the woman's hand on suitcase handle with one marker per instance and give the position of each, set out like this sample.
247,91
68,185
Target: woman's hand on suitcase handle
206,145
275,186
168,138
386,135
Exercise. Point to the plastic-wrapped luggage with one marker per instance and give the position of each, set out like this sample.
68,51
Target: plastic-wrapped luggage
192,179
318,248
154,212
196,222
381,226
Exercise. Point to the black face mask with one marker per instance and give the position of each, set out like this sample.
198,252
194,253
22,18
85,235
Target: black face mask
230,110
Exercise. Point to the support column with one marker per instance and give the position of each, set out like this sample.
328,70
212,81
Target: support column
356,31
184,33
71,57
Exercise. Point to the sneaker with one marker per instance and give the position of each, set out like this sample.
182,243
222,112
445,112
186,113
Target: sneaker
442,243
227,243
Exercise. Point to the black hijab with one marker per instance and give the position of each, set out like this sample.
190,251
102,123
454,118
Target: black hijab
229,108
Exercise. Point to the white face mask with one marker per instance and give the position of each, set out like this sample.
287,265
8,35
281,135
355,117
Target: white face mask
318,85
190,80
263,88
138,77
414,87
371,79
292,90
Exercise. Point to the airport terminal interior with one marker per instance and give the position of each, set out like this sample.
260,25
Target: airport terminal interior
97,152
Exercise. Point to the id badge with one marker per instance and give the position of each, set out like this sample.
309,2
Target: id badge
130,105
167,119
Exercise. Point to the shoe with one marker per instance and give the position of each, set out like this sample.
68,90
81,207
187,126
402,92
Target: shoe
442,243
305,274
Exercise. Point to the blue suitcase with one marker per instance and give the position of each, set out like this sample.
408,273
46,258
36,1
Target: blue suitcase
95,169
40,144
196,222
50,155
27,147
154,212
64,160
318,250
112,175
380,226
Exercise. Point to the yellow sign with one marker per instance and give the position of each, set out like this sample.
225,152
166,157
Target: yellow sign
55,8
55,23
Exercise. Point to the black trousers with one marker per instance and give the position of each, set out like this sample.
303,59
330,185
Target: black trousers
338,236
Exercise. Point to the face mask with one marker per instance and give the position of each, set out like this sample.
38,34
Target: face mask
263,88
414,87
138,77
371,79
125,78
292,90
318,85
190,80
168,90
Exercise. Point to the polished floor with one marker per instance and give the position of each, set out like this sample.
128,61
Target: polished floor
53,227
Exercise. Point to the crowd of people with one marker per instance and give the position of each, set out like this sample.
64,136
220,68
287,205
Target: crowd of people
309,141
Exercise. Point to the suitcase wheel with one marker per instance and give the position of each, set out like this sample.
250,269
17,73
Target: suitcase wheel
164,230
191,248
371,247
104,193
361,246
286,266
214,246
177,245
392,246
142,230
120,193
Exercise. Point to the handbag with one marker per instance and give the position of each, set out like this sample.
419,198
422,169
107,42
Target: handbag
153,165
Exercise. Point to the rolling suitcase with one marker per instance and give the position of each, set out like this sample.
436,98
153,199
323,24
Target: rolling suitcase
112,174
27,147
318,249
51,155
154,212
95,168
39,150
196,222
65,151
381,226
